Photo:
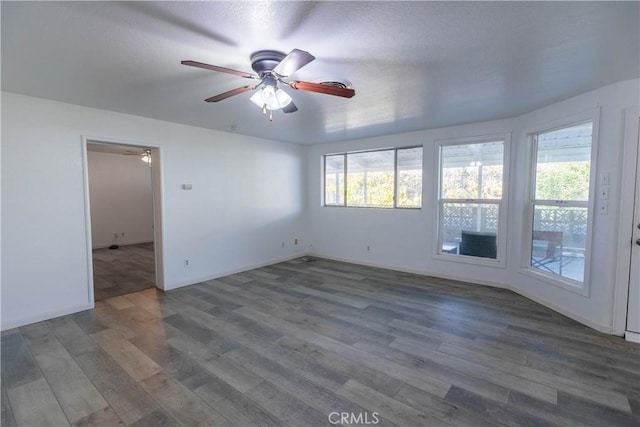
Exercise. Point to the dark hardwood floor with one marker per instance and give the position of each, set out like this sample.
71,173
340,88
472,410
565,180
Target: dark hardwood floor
298,343
129,268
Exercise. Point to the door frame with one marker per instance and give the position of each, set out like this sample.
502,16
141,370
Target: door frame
630,169
158,207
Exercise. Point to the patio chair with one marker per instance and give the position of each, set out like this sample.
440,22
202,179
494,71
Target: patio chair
478,243
548,250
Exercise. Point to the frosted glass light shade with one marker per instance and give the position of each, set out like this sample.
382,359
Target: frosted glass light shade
270,97
283,98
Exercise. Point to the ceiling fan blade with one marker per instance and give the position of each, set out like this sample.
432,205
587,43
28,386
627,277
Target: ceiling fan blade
220,69
290,108
320,88
291,63
230,93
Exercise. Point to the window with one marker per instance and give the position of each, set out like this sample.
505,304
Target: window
370,177
334,180
560,203
409,186
471,188
375,179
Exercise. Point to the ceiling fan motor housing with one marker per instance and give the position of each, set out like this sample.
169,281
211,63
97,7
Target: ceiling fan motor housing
264,61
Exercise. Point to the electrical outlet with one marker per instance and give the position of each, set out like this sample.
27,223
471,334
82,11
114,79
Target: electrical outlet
186,263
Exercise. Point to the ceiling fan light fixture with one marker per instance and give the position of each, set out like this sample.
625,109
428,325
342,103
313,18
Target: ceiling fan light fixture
283,98
271,98
146,157
258,99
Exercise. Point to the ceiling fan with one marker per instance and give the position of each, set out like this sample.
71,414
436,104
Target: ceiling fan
145,155
273,67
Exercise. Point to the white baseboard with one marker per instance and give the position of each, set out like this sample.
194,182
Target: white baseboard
230,272
413,271
46,316
554,307
632,336
607,329
53,314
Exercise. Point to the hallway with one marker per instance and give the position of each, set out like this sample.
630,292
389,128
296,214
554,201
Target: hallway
124,270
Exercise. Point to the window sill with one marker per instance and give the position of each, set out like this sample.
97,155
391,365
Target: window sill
389,208
465,259
557,281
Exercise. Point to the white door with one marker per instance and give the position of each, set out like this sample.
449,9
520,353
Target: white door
633,310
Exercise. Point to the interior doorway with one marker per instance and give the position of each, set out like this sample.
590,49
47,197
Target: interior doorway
121,182
633,308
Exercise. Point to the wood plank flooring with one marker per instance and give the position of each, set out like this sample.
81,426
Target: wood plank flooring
130,268
292,343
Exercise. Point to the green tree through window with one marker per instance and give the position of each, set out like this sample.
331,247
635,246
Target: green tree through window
381,178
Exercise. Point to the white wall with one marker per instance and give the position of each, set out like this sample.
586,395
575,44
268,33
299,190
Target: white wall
247,199
595,309
398,238
405,239
249,195
121,199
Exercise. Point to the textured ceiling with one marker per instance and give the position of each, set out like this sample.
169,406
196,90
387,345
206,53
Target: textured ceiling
414,65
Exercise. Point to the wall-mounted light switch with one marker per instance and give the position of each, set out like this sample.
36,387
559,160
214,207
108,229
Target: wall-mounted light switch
603,208
187,186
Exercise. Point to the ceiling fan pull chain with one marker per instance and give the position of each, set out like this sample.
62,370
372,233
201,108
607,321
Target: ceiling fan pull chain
271,116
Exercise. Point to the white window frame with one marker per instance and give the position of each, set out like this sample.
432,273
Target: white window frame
582,288
395,179
503,205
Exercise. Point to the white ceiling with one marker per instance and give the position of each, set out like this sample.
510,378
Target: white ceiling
413,65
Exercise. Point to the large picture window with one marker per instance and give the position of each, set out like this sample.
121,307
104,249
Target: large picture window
471,188
560,203
375,179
